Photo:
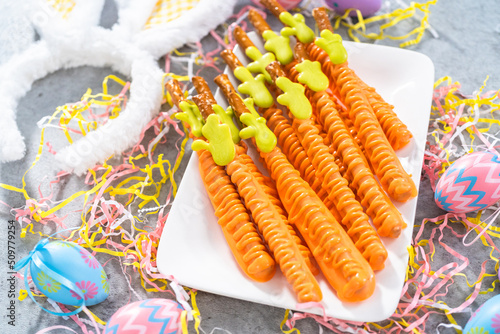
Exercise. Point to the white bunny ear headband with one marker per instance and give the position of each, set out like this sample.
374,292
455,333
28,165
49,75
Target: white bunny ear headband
70,37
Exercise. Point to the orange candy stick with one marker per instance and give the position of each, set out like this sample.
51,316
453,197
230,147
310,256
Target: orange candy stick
270,224
395,130
353,217
275,232
238,105
342,264
292,148
385,216
286,136
394,179
243,239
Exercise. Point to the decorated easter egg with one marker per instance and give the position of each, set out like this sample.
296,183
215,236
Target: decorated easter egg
152,316
486,319
471,183
60,261
289,4
366,7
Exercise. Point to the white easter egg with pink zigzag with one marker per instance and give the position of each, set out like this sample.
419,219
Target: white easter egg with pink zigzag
471,183
152,316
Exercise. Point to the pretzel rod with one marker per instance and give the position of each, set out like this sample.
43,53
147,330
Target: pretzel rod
243,239
320,15
239,106
242,38
395,130
273,6
258,21
204,103
202,87
353,217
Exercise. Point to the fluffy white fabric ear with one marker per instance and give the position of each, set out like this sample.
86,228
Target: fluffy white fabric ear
143,104
101,50
16,31
132,16
96,46
56,18
190,27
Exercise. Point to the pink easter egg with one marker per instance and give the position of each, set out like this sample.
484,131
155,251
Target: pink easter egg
471,183
287,4
152,316
366,7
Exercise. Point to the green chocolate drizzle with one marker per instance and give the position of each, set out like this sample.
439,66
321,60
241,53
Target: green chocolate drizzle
294,98
311,75
254,87
259,62
257,128
226,117
219,141
191,115
332,44
297,27
279,45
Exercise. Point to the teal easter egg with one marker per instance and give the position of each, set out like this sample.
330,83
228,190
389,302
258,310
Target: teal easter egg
75,264
486,319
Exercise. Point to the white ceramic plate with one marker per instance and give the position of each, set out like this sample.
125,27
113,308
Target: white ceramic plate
193,248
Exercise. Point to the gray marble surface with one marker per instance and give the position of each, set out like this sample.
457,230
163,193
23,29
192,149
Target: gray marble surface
467,50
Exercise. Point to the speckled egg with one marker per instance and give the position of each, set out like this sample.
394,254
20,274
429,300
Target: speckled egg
366,7
471,183
75,264
486,319
152,316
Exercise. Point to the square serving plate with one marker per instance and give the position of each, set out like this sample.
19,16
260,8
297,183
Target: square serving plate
193,249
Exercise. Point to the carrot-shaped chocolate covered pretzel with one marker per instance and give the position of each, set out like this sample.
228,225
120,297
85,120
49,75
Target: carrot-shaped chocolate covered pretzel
240,233
394,179
395,130
385,216
238,105
271,226
341,263
353,217
281,127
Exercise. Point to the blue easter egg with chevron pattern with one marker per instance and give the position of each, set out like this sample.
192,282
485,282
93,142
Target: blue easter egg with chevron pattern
152,316
470,184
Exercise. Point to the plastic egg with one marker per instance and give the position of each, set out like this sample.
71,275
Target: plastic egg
366,7
471,183
486,319
152,316
289,4
75,264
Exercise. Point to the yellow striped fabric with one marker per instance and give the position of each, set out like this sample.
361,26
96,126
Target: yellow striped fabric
168,10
